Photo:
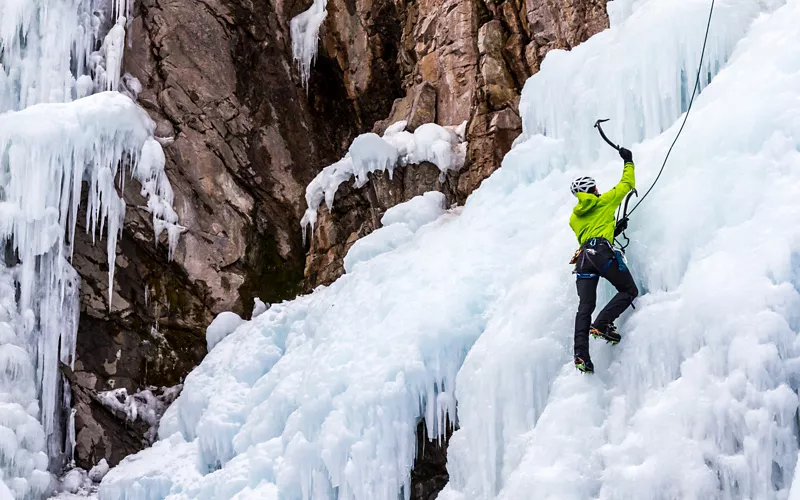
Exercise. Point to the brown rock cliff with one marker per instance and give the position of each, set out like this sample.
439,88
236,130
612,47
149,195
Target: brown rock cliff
459,60
218,77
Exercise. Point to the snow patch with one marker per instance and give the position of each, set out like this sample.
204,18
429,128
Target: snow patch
417,211
222,326
147,405
76,484
99,471
259,308
400,223
445,147
169,467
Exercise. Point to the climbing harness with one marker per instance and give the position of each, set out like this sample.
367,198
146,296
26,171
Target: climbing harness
597,125
588,250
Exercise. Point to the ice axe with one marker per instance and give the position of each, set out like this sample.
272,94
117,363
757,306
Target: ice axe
603,134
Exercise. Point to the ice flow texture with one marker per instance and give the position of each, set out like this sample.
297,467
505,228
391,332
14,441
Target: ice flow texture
51,148
319,397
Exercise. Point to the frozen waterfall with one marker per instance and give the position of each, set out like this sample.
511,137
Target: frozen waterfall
320,397
54,145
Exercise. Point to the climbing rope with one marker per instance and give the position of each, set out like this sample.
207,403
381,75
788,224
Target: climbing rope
688,110
598,125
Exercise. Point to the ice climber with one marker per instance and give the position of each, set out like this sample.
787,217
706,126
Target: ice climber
594,222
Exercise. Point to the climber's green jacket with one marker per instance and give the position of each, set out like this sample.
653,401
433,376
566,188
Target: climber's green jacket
595,216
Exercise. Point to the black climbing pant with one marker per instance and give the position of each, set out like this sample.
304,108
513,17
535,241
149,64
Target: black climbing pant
596,260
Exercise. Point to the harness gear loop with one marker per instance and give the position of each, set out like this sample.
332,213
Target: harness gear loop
589,249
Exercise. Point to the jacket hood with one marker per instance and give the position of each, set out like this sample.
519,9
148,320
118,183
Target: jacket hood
586,202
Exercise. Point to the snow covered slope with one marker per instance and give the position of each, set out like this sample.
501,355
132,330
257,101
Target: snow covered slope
319,397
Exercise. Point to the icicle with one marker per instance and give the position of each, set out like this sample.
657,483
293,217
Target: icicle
70,444
50,146
122,9
305,33
113,48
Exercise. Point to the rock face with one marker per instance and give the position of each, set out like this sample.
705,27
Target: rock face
456,61
150,335
218,78
97,422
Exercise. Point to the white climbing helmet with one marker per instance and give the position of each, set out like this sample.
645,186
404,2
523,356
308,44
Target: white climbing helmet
582,185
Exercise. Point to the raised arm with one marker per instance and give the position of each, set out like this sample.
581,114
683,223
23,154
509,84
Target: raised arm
625,185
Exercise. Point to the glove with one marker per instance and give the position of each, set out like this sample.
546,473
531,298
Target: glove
626,155
622,224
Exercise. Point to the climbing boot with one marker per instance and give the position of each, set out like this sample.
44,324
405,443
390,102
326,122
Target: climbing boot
584,364
609,334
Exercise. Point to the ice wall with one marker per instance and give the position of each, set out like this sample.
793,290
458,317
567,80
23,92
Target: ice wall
51,148
47,49
326,400
699,399
640,73
318,398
